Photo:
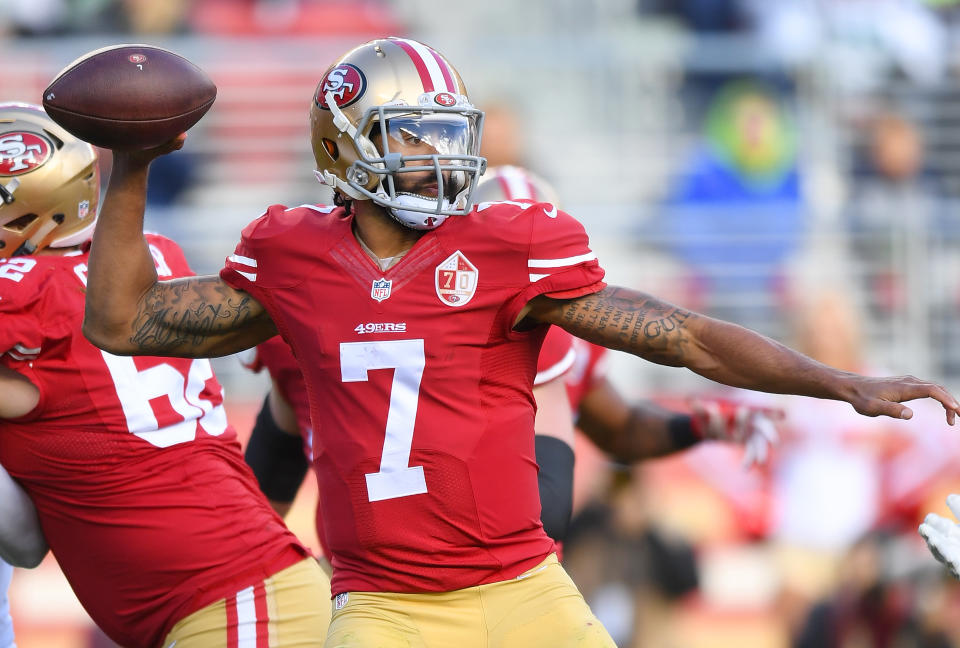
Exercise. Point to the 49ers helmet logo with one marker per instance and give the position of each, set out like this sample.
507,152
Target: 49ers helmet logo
347,84
445,99
21,152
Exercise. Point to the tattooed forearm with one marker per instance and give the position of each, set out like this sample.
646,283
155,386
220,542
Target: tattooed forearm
181,314
629,321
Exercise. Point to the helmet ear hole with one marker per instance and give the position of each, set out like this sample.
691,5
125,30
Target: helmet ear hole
331,148
21,223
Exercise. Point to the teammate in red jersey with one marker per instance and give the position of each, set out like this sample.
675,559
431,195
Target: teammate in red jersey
626,432
416,322
135,473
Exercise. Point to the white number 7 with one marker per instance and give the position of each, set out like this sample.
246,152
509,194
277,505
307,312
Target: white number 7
396,478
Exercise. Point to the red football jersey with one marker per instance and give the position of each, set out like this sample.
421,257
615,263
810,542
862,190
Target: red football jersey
275,356
556,357
424,452
589,366
138,480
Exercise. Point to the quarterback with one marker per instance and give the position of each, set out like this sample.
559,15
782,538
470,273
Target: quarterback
416,321
137,478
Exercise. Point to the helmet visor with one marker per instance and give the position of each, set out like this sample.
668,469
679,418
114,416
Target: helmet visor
443,134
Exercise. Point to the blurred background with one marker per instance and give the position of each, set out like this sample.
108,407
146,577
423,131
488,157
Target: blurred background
791,165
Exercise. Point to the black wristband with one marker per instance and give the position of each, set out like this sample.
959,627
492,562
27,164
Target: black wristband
682,434
555,458
276,458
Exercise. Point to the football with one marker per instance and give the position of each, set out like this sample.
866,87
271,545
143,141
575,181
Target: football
129,96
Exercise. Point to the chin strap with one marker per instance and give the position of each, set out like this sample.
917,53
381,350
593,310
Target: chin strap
418,219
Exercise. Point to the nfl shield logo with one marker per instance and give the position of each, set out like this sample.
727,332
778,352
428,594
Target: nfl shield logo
380,289
456,280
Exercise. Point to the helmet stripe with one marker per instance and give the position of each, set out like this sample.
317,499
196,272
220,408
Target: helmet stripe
516,184
444,69
432,75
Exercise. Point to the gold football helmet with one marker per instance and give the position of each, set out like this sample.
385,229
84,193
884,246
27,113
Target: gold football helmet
49,183
509,182
393,107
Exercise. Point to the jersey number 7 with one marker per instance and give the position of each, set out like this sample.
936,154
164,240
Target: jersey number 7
396,478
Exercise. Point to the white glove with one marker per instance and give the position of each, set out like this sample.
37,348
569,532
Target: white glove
943,536
728,420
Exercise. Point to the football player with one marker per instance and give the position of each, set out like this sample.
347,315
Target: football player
137,478
627,433
416,322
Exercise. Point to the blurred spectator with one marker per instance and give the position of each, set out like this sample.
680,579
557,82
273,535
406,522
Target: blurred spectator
890,180
870,607
736,213
503,141
631,572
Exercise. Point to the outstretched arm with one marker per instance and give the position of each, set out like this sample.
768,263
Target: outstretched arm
632,321
130,312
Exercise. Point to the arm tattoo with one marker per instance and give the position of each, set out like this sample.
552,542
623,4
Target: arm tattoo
630,321
183,313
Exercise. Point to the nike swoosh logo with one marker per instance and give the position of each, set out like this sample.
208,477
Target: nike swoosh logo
552,213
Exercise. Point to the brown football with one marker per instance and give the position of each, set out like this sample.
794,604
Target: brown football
129,96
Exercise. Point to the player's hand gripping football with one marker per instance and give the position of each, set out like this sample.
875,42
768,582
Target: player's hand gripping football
729,420
943,536
145,156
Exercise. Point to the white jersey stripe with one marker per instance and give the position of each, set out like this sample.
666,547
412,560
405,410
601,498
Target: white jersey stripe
436,74
23,349
317,208
534,278
247,261
17,356
252,276
556,370
246,619
561,263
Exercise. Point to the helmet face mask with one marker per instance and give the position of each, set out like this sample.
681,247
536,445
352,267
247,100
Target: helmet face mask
382,131
49,183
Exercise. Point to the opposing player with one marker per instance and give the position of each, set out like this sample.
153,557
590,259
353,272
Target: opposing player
416,322
136,476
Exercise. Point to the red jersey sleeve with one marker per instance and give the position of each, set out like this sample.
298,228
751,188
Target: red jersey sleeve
556,356
259,263
560,263
167,257
32,309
